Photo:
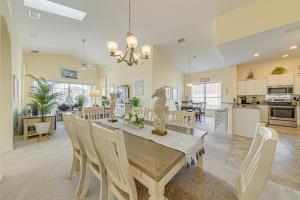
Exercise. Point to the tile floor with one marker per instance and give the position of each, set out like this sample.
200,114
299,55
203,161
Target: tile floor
38,171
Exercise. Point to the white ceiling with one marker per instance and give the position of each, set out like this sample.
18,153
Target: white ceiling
155,22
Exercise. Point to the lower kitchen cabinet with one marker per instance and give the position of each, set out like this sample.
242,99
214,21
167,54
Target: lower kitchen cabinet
298,115
264,113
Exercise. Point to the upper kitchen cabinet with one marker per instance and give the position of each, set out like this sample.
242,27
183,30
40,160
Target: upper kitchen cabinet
280,80
252,87
297,85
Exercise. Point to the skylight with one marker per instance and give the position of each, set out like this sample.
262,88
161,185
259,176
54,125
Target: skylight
55,8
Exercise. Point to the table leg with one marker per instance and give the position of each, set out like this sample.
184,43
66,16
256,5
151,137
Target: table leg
156,191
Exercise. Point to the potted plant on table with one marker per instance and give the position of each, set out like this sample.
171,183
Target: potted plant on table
135,101
45,99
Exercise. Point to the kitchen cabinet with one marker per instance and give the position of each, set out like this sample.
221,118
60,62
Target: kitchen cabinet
242,88
297,85
280,80
264,113
252,87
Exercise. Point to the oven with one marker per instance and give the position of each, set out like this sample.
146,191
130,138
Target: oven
284,115
280,90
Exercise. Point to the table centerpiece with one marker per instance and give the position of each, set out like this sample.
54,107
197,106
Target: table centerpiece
134,120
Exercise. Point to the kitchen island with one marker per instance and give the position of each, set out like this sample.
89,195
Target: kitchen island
244,120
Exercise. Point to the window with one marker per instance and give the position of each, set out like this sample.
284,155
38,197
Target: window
70,92
207,92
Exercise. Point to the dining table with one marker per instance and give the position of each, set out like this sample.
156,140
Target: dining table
154,164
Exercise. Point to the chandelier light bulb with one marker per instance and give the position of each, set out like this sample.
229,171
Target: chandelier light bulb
146,49
132,41
112,47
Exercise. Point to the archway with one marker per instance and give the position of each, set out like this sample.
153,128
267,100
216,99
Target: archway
6,117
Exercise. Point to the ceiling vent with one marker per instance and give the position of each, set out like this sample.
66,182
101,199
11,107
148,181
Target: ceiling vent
181,40
34,51
292,29
34,15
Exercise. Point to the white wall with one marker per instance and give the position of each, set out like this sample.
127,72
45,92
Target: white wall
155,72
166,73
227,76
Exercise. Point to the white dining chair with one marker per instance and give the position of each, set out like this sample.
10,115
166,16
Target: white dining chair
198,184
93,113
77,151
181,118
111,147
149,114
93,163
138,110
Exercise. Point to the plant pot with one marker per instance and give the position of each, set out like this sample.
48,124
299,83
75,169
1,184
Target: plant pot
42,127
80,108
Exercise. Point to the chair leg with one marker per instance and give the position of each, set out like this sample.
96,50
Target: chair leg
103,184
86,184
110,193
73,168
81,178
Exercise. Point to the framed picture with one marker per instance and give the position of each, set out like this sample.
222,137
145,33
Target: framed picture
139,88
175,94
123,92
66,73
16,88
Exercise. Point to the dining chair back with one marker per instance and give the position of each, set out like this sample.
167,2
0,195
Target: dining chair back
68,122
111,147
256,167
91,162
138,110
149,114
84,135
68,119
93,113
181,118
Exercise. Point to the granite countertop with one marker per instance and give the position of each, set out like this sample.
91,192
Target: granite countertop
247,106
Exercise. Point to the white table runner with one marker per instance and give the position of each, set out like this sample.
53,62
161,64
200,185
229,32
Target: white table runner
190,145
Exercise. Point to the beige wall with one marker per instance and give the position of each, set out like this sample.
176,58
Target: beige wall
121,74
256,16
166,74
10,65
262,70
227,76
155,72
49,66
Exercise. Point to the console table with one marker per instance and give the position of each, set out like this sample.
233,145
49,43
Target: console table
29,121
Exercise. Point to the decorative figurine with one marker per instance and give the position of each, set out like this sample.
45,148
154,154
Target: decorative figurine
113,118
250,74
160,112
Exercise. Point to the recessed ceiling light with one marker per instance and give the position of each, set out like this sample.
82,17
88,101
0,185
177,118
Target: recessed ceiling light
293,47
34,15
285,55
55,8
256,55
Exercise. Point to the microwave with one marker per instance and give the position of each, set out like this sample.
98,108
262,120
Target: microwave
280,90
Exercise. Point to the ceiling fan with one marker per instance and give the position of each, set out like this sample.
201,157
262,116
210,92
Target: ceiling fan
84,66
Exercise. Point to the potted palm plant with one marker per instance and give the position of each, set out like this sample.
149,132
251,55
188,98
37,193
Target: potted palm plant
80,102
42,95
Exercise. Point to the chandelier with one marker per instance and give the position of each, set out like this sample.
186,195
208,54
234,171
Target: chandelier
128,55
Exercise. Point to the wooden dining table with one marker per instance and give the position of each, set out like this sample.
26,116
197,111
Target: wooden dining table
153,164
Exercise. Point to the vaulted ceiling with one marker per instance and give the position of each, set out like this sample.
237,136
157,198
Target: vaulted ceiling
156,22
